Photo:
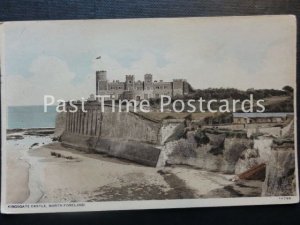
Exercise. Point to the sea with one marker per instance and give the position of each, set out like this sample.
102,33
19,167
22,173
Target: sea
31,117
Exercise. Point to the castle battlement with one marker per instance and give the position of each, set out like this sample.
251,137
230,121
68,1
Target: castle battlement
131,89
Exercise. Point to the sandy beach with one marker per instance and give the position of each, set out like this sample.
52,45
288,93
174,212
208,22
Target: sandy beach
54,173
17,178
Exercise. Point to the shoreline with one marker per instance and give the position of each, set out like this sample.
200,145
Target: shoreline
18,163
22,130
61,174
17,178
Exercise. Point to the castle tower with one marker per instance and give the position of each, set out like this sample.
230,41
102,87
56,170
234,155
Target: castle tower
186,87
101,81
178,87
148,78
148,82
129,82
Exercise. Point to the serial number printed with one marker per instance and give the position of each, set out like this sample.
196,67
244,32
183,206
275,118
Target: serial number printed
285,197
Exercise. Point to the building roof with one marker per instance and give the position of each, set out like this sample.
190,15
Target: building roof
264,115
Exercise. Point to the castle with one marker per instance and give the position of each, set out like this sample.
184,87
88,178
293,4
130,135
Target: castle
139,90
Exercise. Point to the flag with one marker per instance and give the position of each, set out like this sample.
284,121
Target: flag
99,57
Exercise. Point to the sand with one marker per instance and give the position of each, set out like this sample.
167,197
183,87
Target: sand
54,173
17,178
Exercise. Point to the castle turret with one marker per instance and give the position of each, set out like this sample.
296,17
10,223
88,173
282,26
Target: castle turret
148,78
178,87
101,81
129,82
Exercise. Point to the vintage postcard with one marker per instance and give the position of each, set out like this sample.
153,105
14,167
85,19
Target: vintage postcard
148,113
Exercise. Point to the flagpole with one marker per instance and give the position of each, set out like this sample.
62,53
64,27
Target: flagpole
98,58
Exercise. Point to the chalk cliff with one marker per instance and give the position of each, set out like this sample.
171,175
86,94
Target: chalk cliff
220,153
280,174
133,137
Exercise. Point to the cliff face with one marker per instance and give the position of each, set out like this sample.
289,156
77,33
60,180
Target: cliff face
263,146
219,154
260,153
148,142
280,174
248,159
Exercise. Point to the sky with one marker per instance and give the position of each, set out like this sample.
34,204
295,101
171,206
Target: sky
59,57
